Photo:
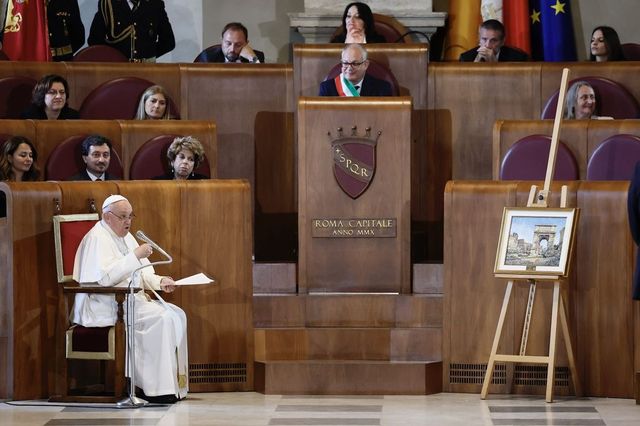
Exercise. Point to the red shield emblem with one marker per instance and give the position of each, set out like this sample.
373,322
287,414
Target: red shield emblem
354,164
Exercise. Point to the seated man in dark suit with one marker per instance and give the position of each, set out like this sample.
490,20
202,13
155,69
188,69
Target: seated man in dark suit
96,153
492,48
234,48
354,80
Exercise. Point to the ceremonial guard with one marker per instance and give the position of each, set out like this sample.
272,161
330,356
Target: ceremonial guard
140,29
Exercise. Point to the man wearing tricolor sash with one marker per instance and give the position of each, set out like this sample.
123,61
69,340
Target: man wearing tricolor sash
354,80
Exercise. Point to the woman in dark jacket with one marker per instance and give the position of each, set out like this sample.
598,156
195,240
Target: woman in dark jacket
184,154
358,26
49,100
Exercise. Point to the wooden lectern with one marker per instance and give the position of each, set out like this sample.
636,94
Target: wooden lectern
354,195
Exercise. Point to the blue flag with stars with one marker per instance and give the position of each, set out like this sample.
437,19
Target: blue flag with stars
552,37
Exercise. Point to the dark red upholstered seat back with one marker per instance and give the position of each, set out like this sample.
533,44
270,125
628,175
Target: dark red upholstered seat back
118,99
71,234
527,160
151,159
99,53
375,69
631,51
612,99
66,160
15,95
615,158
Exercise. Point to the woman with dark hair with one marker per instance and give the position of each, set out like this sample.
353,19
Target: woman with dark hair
605,45
154,104
49,100
185,155
18,161
358,26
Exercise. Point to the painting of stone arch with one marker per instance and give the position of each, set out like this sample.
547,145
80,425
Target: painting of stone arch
535,240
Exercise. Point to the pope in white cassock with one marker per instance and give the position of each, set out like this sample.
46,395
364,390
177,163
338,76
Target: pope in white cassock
107,256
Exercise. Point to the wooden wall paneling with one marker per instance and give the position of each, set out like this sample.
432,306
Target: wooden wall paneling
26,128
472,296
478,95
354,264
220,314
597,291
605,338
29,301
136,133
50,133
252,106
86,76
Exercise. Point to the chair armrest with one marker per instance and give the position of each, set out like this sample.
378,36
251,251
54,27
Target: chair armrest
99,290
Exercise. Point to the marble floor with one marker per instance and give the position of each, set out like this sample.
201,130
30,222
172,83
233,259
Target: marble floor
248,408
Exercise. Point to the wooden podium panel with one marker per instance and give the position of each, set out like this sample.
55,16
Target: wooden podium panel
350,242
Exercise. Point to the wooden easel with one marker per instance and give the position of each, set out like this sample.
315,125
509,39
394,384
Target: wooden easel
539,199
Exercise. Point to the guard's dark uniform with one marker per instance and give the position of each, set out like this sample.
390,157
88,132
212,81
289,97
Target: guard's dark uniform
66,32
141,34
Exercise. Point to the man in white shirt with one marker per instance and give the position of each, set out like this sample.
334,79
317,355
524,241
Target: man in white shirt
107,256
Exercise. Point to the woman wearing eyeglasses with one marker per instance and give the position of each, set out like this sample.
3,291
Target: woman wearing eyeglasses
49,100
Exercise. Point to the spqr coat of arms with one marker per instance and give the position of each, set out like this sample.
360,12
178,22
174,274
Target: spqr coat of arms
354,161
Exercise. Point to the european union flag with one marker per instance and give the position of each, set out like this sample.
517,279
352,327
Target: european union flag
552,37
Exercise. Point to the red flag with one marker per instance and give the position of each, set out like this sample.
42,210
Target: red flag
516,22
25,31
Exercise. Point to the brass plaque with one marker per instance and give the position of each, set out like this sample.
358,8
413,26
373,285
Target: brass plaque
354,228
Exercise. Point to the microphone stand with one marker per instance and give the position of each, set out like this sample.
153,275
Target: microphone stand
132,401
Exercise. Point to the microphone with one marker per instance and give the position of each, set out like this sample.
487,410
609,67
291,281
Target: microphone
413,32
142,236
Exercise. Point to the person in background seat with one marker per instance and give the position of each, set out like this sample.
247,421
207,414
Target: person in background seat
96,154
185,155
605,45
354,80
49,100
358,26
491,46
19,160
234,47
580,102
154,105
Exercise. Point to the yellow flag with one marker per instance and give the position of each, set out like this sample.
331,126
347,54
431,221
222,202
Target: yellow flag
464,20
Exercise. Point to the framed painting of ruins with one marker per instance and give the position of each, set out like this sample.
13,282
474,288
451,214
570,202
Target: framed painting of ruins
535,241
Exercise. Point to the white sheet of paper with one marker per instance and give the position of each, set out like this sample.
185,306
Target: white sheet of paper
195,280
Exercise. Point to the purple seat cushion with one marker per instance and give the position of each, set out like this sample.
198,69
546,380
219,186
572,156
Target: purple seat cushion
527,160
15,95
615,158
